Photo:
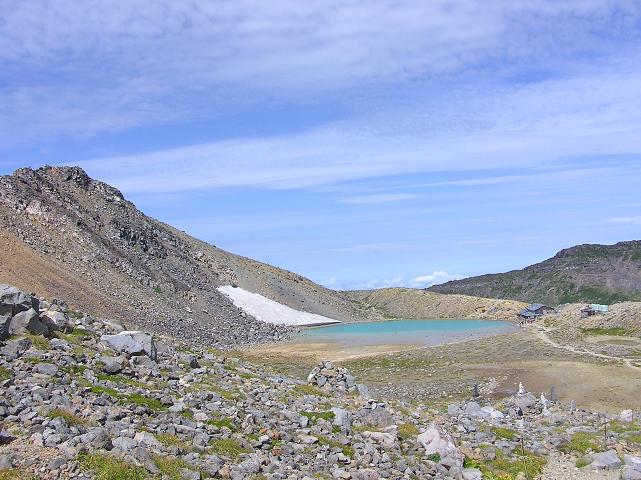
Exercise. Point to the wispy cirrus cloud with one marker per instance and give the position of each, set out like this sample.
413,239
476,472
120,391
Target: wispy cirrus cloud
379,198
542,124
103,66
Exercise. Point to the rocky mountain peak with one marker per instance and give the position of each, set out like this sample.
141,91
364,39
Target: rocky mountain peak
80,238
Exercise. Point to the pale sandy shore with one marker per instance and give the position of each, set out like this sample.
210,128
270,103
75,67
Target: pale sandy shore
446,373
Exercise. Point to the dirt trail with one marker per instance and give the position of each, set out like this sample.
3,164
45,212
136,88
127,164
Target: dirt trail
542,332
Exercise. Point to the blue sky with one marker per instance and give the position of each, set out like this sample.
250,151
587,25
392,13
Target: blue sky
362,144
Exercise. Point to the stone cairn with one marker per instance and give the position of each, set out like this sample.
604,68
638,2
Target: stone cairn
329,377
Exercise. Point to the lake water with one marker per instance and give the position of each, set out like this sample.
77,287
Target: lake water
406,332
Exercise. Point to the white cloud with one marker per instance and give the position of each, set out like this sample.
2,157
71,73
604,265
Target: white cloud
81,68
532,126
422,281
434,278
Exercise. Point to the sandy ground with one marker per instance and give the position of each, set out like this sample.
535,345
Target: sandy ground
446,373
563,467
330,351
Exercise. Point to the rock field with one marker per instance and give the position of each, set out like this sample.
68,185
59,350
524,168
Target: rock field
83,397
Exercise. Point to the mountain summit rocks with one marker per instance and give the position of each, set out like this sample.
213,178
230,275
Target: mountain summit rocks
64,234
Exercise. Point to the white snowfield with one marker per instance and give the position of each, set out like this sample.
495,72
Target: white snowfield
267,310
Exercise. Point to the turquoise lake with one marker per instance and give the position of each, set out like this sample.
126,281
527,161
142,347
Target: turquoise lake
406,332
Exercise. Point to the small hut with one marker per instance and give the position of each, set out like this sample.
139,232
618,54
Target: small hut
534,311
594,309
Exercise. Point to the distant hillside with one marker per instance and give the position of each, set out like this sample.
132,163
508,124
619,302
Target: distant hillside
411,303
65,235
585,273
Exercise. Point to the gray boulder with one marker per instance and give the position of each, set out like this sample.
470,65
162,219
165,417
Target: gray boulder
56,321
341,417
605,460
5,323
6,462
246,469
377,417
27,322
112,364
436,441
629,473
14,301
47,368
524,401
632,462
143,363
472,474
15,348
131,343
59,344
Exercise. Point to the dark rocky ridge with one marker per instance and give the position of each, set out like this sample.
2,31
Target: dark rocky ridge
585,273
65,234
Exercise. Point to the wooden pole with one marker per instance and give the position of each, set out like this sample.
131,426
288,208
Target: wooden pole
524,459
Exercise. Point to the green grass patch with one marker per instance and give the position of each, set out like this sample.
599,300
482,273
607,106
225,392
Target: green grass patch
220,422
407,431
11,475
228,447
434,457
618,426
347,450
504,433
71,418
14,474
170,467
226,394
39,342
309,390
5,373
169,440
75,337
387,362
582,442
99,390
314,416
144,401
74,369
582,462
35,360
612,331
121,379
633,437
107,467
504,468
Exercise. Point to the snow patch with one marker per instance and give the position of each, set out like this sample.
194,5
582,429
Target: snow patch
269,311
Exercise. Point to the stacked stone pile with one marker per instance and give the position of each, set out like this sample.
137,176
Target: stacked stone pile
330,377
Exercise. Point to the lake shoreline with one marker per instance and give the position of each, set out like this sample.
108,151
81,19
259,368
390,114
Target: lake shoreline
341,350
